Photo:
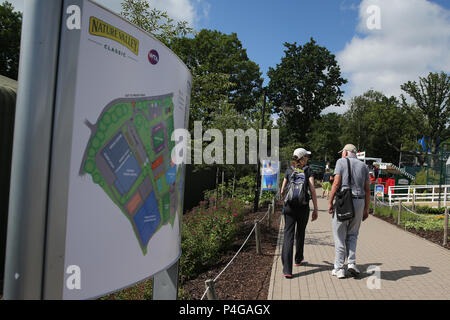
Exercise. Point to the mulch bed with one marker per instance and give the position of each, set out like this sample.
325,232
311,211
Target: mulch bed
433,236
248,276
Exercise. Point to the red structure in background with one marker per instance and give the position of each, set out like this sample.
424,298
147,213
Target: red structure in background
387,182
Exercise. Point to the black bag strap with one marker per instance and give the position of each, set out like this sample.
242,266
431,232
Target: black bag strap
349,173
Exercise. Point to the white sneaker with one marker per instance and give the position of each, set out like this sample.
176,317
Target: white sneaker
340,274
353,270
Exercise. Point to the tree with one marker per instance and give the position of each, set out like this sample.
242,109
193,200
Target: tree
323,140
208,97
10,30
379,126
214,52
307,81
432,100
154,21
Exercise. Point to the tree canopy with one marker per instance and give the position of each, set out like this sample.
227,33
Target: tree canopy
154,21
380,126
212,51
307,81
323,140
10,31
432,101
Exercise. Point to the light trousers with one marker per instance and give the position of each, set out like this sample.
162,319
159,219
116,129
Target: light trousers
346,236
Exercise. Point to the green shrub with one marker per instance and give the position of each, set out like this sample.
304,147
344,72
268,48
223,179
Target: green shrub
429,210
415,221
207,232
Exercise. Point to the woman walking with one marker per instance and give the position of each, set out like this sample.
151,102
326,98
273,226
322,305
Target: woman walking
298,177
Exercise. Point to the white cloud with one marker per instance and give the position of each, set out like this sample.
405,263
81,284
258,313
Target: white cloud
413,40
191,11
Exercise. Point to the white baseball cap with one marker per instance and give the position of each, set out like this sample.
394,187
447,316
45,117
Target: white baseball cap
300,153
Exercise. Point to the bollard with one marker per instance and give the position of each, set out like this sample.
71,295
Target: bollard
211,293
257,237
399,212
446,227
269,215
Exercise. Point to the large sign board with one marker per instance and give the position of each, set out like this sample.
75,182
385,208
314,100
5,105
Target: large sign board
124,95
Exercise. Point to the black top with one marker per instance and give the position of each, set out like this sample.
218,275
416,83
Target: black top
326,177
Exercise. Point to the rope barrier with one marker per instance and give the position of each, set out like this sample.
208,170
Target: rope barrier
406,208
417,214
384,203
237,253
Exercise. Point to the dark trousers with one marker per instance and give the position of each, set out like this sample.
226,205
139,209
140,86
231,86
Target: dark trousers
293,217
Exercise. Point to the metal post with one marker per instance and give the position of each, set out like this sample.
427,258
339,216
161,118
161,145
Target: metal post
445,196
211,293
399,212
390,195
217,187
258,186
257,237
165,284
441,160
223,182
374,201
446,227
31,151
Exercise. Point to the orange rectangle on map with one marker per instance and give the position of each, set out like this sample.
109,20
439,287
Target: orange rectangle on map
157,163
134,202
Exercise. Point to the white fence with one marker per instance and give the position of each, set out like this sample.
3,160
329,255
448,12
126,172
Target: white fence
413,194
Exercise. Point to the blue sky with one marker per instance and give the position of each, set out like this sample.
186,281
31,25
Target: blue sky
264,26
413,37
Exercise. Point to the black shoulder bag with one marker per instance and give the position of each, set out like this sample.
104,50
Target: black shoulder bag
344,200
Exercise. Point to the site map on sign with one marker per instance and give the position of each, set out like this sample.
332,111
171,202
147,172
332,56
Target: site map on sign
129,156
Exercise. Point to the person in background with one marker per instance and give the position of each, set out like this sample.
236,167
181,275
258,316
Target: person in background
326,185
297,215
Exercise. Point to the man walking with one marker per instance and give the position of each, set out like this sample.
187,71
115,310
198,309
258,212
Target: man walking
346,232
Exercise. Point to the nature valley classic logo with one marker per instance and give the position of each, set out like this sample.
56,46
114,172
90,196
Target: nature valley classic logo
100,28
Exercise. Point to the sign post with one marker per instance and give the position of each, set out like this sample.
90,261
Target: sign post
100,207
31,150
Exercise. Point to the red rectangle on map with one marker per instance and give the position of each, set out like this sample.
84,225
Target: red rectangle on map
157,163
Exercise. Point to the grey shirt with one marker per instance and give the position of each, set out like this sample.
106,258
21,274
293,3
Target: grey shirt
360,174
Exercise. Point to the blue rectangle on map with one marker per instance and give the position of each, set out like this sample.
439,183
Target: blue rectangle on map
127,174
116,152
147,219
171,175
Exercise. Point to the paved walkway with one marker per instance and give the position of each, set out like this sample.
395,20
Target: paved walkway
409,267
